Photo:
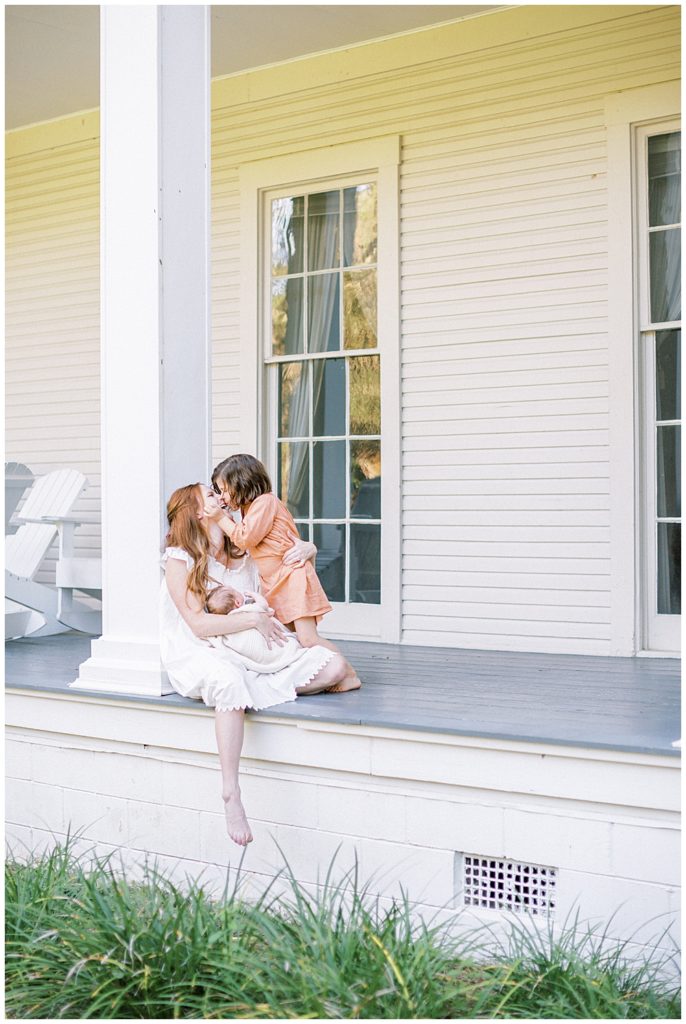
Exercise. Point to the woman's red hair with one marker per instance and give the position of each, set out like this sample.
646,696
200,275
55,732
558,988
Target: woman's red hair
185,531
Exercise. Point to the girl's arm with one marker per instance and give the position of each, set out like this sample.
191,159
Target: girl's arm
203,624
257,523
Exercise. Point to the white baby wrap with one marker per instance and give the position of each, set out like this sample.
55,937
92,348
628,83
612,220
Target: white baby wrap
237,670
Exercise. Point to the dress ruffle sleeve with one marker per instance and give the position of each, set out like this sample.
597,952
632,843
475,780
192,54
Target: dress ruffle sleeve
179,554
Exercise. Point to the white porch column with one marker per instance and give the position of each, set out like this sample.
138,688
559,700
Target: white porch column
155,224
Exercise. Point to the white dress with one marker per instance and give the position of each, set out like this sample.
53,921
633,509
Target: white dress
214,673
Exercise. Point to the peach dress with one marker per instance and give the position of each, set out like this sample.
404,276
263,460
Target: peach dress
267,532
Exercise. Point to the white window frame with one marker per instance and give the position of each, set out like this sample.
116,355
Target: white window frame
327,168
625,113
659,632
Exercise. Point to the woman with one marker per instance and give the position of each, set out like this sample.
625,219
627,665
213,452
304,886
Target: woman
199,558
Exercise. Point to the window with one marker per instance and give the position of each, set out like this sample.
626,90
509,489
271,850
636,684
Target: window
324,379
320,363
658,164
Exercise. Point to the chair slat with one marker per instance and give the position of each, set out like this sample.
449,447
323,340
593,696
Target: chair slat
53,494
26,549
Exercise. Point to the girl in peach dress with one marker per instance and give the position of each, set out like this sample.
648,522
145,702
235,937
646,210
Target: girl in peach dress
267,530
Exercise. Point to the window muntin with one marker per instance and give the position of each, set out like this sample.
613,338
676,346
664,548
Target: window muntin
324,365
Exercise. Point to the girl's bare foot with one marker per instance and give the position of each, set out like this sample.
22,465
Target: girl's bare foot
351,682
236,822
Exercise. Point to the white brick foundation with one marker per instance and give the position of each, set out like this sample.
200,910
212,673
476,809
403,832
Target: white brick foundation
144,779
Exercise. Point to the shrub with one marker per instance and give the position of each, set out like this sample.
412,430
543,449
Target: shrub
83,942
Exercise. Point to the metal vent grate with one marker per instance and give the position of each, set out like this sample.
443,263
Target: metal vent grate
493,884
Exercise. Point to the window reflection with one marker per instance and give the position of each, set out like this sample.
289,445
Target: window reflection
288,232
664,179
329,480
365,479
365,395
323,230
294,402
323,321
330,562
329,396
365,563
294,472
359,225
359,309
287,316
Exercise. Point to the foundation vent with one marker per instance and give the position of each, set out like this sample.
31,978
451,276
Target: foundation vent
491,884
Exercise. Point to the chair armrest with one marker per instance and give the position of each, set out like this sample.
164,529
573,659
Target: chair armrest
86,518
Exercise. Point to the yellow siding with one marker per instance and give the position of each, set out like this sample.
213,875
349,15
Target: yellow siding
504,225
53,308
505,390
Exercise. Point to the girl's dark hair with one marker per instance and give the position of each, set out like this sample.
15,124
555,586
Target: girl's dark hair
245,477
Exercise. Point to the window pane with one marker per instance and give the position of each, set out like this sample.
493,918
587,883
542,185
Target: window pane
365,563
329,480
288,234
329,396
330,561
365,479
665,275
294,477
323,230
359,225
359,309
324,307
365,395
669,568
668,471
294,400
304,529
668,375
287,316
664,179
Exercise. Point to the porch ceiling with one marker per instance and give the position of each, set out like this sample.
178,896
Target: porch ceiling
52,52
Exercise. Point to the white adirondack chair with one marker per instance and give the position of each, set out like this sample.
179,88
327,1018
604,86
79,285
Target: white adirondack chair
44,610
17,478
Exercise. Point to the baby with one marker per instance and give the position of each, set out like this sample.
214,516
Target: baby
249,643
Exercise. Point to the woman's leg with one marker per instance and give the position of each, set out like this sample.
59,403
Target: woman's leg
333,673
306,632
229,730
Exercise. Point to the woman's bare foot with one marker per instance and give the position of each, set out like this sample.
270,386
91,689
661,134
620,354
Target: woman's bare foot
236,822
351,682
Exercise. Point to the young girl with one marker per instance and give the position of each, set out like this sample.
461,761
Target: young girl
267,531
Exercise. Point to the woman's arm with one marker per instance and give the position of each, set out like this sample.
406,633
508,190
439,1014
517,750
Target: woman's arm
203,624
301,552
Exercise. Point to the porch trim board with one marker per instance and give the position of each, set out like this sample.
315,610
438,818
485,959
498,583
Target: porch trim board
484,31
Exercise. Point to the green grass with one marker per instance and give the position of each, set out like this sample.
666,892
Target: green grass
81,942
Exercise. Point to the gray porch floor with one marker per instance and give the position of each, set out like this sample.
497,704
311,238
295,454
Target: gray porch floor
629,704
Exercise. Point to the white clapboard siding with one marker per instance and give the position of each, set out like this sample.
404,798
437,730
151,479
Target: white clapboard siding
505,378
52,317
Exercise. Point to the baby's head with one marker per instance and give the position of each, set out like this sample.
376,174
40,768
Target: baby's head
221,601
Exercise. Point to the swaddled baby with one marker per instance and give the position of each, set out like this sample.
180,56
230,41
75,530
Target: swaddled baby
249,643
